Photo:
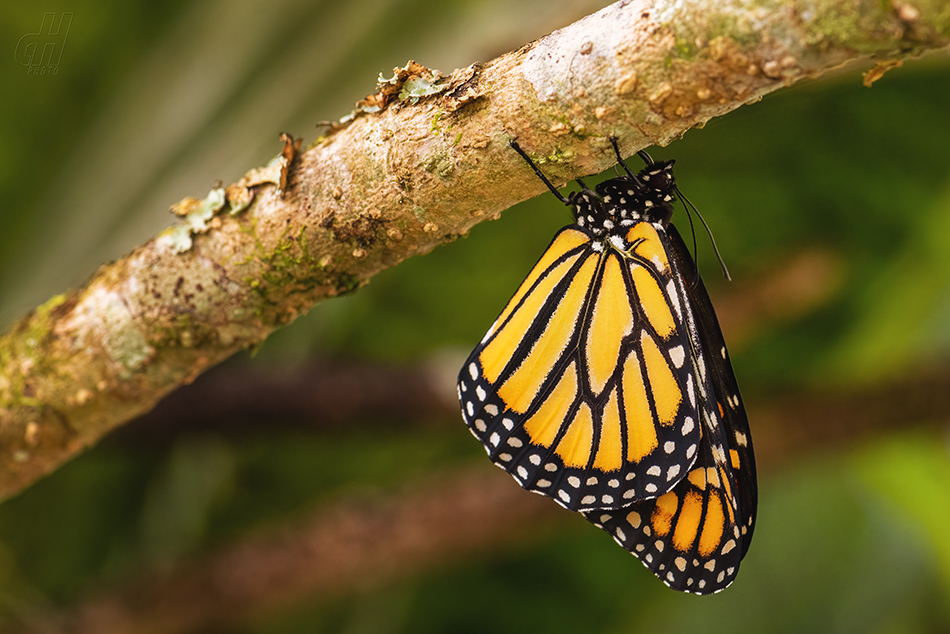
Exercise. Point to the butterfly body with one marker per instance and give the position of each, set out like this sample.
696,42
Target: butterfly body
599,385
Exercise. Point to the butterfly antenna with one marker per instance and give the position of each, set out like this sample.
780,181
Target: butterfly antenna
689,205
692,230
620,161
517,148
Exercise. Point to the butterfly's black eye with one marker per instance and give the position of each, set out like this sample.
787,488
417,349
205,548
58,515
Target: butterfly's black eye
661,181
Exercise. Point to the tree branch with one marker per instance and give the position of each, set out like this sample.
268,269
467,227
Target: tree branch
399,181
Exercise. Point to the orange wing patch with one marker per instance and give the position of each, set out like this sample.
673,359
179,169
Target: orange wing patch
497,354
648,245
653,302
520,390
563,243
543,427
575,447
610,322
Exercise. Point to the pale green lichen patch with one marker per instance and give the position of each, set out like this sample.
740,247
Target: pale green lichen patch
417,87
195,216
121,338
411,82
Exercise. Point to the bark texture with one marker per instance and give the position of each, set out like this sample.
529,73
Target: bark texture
418,164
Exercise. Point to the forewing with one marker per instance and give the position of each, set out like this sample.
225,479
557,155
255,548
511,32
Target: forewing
583,388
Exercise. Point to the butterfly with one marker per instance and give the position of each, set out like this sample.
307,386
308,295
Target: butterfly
605,385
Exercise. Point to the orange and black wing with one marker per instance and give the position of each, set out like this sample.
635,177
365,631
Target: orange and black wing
585,389
694,536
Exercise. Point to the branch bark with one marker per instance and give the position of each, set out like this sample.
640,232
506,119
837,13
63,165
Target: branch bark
397,182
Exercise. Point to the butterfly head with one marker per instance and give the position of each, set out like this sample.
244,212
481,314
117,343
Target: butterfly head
658,190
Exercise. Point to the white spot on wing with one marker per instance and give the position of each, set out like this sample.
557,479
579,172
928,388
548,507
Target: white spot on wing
678,355
671,293
687,425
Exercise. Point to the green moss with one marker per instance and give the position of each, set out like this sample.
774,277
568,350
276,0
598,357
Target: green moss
51,304
26,346
686,49
560,156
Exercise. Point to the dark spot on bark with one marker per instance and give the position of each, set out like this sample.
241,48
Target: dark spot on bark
178,284
362,231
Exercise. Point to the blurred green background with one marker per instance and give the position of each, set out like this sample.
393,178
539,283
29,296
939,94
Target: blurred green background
830,202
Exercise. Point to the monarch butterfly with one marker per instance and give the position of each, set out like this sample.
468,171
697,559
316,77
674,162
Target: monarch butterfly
605,385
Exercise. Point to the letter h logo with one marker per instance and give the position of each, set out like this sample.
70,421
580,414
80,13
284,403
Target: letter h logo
40,52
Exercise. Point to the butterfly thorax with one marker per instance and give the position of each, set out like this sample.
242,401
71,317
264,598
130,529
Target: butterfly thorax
619,203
